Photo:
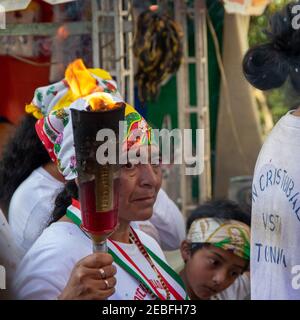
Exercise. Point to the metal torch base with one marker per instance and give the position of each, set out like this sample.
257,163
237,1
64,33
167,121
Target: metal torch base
100,246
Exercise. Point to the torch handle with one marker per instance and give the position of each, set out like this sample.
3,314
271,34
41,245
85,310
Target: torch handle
100,246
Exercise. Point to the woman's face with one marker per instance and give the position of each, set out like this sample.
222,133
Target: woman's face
210,270
139,185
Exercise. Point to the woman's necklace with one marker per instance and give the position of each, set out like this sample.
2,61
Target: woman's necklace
137,242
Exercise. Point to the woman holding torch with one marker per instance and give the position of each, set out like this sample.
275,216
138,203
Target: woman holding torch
61,264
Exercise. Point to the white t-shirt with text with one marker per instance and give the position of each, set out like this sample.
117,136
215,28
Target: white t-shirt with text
275,227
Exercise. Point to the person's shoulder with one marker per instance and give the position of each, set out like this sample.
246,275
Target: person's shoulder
33,191
28,189
287,126
63,231
45,268
144,237
60,239
40,177
45,176
57,249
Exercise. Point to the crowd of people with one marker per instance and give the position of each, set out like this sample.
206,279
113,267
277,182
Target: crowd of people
48,255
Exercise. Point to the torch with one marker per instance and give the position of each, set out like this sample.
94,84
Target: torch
98,183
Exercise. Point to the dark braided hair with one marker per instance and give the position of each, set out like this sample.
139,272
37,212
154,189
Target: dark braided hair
158,50
22,154
270,65
63,200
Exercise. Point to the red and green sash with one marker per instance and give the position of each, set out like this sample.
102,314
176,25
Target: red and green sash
174,282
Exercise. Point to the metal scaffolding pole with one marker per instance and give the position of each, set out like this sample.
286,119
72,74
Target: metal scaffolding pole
113,50
203,94
198,15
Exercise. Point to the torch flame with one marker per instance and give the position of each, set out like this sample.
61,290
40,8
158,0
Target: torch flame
82,84
79,79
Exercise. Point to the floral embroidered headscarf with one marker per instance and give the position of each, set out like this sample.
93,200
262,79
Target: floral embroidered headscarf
230,235
87,93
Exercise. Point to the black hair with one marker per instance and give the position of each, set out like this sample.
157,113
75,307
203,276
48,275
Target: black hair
21,155
4,120
63,200
222,209
270,65
195,246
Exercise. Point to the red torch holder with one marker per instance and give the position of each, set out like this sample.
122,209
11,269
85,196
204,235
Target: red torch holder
98,184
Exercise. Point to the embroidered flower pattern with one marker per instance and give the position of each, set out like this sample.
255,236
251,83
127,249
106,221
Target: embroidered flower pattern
51,90
62,115
39,96
73,164
58,142
109,87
